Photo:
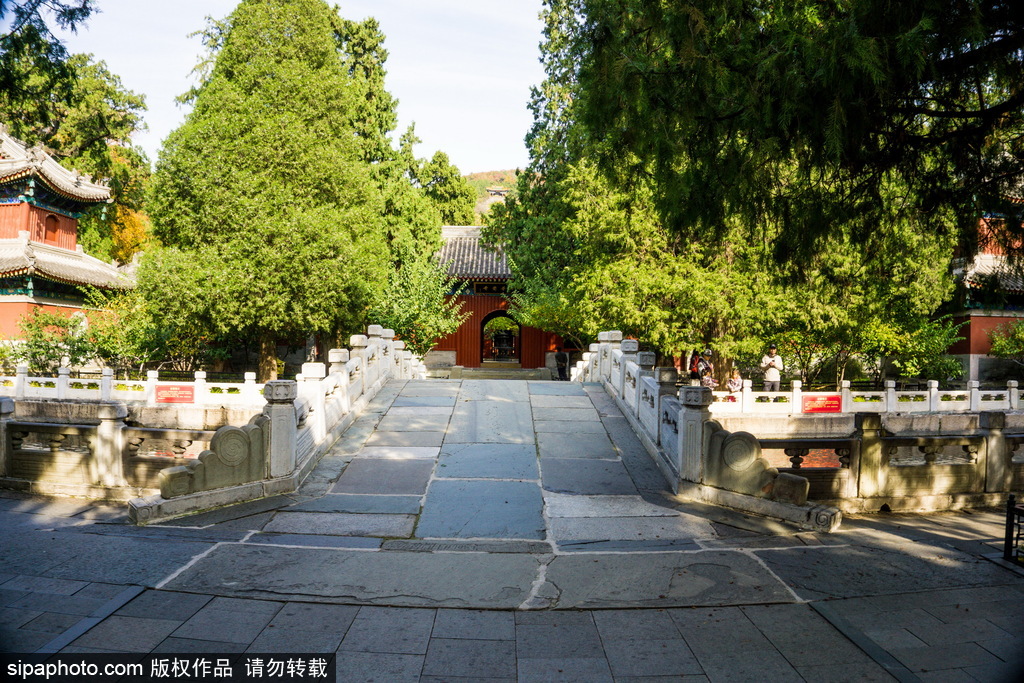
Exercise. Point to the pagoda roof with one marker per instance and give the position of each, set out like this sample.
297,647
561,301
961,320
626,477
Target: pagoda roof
468,257
984,267
18,161
19,257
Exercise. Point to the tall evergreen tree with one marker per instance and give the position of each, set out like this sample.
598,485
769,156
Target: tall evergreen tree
266,191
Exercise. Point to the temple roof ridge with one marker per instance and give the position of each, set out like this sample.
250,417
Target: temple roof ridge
19,160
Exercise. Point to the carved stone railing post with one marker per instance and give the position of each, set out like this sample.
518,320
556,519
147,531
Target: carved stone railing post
337,359
150,393
250,390
20,381
280,409
1013,394
202,393
694,414
106,384
313,390
747,397
998,457
871,475
974,394
388,352
847,396
63,380
933,396
6,413
629,349
360,382
891,406
106,464
795,406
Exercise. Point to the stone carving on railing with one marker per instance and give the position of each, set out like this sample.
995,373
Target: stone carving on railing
236,456
734,463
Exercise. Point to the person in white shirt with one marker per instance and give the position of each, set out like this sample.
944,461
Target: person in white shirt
772,366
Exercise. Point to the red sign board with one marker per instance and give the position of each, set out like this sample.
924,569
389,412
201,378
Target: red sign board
823,403
175,393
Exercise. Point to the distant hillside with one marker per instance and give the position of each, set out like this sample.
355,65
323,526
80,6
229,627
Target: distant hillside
481,181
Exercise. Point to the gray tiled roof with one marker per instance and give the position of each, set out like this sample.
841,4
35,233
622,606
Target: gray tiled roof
61,265
468,257
18,160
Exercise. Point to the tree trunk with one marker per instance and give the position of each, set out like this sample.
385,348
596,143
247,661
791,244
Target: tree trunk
267,364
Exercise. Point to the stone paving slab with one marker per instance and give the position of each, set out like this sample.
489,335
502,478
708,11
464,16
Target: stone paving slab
492,421
571,445
681,579
476,580
565,415
489,461
354,502
565,505
454,545
565,427
628,528
493,390
421,439
586,477
406,401
315,540
378,475
482,509
420,410
342,524
539,401
555,388
399,452
413,423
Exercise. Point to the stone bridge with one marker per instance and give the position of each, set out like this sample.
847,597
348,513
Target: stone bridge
487,494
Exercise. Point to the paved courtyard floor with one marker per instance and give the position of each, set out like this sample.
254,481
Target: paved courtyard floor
511,530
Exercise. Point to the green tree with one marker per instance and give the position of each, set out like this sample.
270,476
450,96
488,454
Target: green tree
53,340
1008,342
801,117
447,190
89,128
265,192
417,305
34,73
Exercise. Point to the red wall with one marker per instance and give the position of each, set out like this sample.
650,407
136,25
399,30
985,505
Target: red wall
976,332
24,216
533,343
11,313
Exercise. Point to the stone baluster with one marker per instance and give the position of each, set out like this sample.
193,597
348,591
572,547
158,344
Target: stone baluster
692,417
313,391
280,409
202,392
974,394
874,458
846,402
796,456
796,407
250,390
891,405
998,453
20,381
106,464
63,380
359,343
388,352
933,396
747,397
1013,394
106,384
150,394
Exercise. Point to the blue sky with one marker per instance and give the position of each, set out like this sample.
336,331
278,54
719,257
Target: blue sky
461,69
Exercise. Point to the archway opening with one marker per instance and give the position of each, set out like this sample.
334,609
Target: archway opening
500,339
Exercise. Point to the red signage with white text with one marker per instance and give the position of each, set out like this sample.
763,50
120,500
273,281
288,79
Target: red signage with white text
823,403
175,393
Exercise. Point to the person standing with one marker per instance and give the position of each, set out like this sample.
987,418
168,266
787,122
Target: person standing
562,363
772,366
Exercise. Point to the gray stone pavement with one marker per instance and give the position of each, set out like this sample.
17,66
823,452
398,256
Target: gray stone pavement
502,530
